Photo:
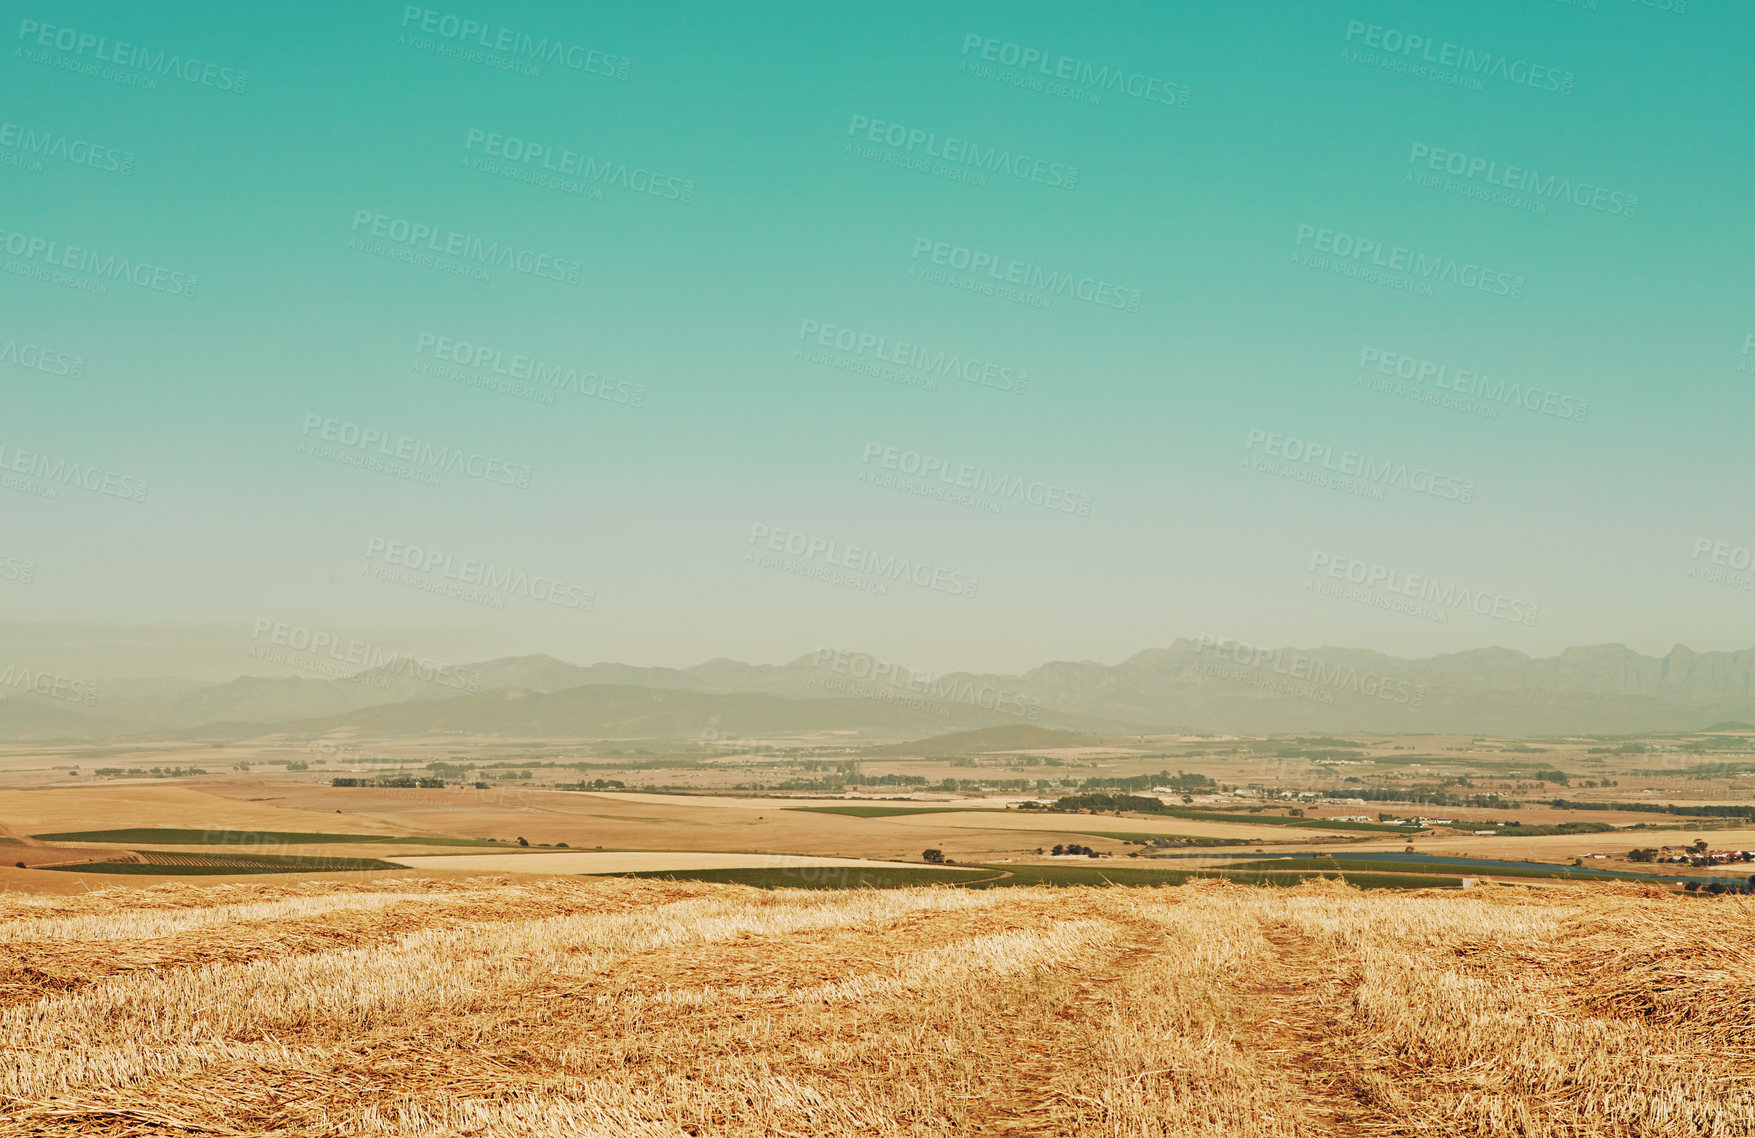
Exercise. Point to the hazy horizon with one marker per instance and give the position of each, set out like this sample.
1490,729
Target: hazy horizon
219,653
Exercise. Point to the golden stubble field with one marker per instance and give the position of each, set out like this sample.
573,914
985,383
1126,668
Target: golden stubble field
639,1008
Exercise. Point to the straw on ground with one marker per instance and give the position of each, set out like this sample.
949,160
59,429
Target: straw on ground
645,1008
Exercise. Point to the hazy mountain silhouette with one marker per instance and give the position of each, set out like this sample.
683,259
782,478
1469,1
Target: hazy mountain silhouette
1596,689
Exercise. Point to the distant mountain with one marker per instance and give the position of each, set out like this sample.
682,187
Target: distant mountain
1188,686
27,720
1606,689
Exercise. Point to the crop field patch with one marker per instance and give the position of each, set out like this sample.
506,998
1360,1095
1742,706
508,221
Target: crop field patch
825,877
884,811
237,837
175,864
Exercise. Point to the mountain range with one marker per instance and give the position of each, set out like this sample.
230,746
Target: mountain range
1193,685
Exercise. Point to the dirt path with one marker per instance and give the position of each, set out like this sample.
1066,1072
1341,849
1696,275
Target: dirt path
9,836
1029,1091
1301,1015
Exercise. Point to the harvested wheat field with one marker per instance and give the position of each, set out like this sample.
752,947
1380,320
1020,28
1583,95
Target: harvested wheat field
640,1007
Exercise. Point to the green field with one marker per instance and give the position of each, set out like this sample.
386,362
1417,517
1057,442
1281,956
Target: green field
880,811
1179,839
166,863
215,837
1282,820
1527,831
1171,811
1352,865
822,876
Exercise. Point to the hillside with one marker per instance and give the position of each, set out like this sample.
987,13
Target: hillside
644,1007
620,711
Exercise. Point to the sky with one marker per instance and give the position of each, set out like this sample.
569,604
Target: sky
977,335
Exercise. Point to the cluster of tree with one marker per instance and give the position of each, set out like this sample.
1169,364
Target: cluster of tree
1746,813
1181,780
1087,851
1073,803
827,782
395,782
1523,830
155,772
594,784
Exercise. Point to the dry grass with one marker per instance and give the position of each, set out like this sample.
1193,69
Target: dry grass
620,1007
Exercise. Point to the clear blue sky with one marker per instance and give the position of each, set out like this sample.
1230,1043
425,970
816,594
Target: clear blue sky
731,193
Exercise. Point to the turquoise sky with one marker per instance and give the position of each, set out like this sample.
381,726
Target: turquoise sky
1541,206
